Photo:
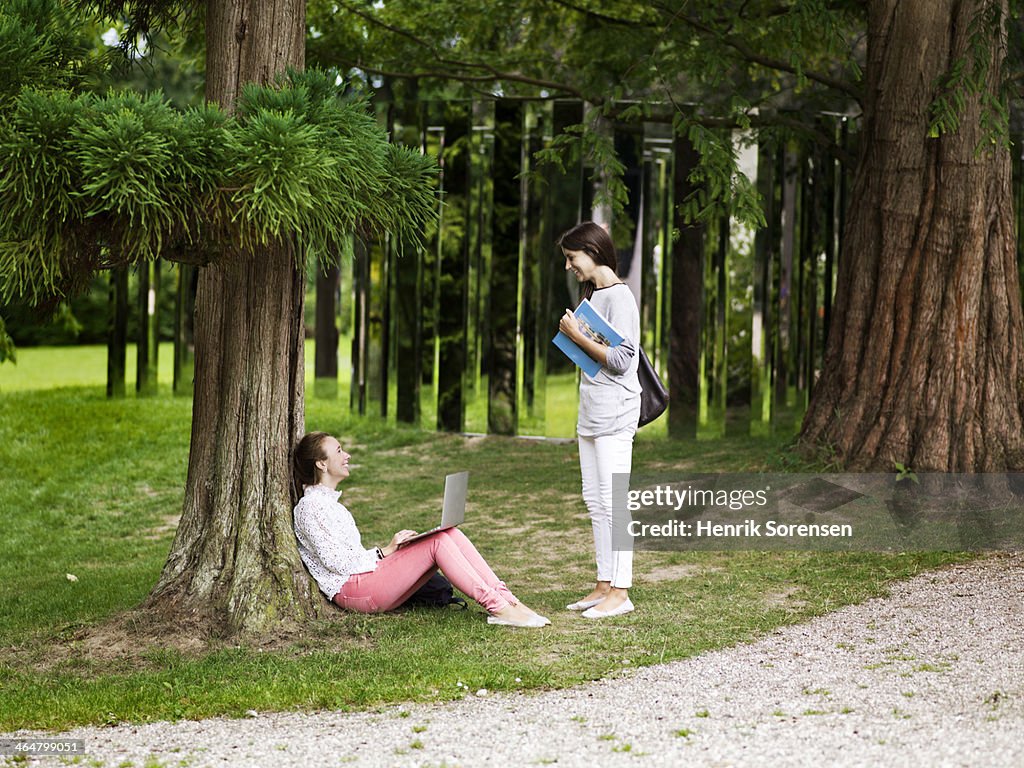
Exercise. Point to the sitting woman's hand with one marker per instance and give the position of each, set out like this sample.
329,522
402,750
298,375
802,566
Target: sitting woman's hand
396,541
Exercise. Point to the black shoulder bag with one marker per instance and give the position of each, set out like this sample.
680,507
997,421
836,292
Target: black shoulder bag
654,398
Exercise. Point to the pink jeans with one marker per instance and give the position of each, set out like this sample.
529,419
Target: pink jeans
403,572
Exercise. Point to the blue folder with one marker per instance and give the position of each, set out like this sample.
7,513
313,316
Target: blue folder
593,324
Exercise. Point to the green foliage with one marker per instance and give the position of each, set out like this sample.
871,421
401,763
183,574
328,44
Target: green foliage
904,472
718,183
145,17
44,44
815,26
967,79
411,189
594,144
277,166
134,159
89,181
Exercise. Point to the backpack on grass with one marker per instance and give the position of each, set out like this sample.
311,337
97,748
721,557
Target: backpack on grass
437,592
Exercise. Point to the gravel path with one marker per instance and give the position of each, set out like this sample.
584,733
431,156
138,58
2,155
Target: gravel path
932,675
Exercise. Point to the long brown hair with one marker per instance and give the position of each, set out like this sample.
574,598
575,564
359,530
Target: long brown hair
307,453
593,240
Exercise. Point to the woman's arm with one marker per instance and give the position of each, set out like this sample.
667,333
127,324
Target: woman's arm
623,313
615,359
619,358
335,546
570,327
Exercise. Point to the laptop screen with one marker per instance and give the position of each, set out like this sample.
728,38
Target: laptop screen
454,511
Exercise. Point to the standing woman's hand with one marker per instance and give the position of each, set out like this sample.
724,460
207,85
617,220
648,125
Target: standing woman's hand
568,325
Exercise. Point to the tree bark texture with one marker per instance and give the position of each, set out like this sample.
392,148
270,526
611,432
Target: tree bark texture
924,360
234,567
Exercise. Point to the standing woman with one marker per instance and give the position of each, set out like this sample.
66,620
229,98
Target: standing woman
609,408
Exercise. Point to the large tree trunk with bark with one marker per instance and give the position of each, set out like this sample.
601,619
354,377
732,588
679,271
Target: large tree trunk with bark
925,357
234,568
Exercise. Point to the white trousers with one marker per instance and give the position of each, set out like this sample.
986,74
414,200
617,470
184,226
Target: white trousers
600,458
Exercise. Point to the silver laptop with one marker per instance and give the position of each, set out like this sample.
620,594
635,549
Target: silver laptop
454,510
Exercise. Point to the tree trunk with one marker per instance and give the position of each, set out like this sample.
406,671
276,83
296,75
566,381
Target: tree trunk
924,359
687,306
234,567
328,283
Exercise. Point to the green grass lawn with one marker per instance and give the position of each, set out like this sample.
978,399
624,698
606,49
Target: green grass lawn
92,488
82,366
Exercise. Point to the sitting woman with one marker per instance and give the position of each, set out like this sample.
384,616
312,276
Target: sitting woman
382,578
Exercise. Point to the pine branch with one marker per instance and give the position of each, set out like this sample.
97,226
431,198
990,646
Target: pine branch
90,182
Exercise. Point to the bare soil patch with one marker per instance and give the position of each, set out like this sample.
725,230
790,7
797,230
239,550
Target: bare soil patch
785,599
168,525
132,641
676,572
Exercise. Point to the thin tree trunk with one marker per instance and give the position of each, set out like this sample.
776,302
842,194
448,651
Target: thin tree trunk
234,567
328,282
925,356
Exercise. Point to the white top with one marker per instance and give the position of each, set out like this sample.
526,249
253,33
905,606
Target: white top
329,542
610,401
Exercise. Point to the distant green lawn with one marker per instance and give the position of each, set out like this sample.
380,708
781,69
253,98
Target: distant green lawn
93,487
86,366
80,366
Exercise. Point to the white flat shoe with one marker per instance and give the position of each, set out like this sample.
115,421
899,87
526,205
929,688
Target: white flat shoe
597,613
533,621
582,605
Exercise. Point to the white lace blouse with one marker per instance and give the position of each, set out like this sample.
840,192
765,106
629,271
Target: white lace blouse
329,542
